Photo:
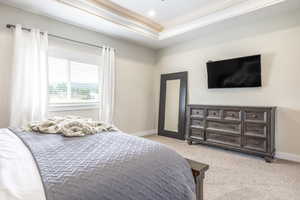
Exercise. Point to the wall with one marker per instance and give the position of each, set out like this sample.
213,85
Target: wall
134,105
278,40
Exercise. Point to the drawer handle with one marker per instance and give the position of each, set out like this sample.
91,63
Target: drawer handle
231,115
254,116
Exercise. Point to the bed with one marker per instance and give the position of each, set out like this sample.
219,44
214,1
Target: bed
108,166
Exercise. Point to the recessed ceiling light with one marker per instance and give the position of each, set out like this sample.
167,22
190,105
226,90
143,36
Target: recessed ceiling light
151,13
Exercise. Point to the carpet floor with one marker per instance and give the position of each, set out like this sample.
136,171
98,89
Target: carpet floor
236,176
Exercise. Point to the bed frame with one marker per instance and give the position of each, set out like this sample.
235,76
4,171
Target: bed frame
198,170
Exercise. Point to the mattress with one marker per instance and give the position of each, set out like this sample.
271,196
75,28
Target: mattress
19,176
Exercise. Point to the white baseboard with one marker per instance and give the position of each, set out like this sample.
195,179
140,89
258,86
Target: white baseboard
145,133
279,155
287,156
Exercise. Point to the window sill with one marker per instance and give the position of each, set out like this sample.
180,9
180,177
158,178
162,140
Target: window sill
72,107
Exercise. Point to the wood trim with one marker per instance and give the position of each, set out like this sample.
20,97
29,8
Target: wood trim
198,171
129,27
156,31
124,12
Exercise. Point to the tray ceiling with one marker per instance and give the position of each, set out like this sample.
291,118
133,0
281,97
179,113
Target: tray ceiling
170,12
130,19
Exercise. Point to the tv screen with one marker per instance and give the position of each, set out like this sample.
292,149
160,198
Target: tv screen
235,73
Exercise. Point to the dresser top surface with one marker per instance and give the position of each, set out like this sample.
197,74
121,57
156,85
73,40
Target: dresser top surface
232,106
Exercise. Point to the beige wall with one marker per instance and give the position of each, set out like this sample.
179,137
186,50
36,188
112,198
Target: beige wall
280,49
134,105
277,39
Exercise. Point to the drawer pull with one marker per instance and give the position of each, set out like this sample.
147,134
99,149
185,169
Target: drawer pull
254,116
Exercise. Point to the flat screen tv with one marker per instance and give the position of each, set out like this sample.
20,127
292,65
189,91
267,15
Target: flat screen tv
235,73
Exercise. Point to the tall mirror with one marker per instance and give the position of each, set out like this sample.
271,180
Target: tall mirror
173,96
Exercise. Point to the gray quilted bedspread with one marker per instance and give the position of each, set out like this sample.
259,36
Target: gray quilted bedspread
108,166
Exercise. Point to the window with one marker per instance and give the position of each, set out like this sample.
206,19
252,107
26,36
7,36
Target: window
72,83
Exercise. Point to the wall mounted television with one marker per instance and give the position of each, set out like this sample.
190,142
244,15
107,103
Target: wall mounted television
235,73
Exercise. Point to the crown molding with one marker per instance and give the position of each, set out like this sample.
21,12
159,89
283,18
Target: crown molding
109,11
238,10
205,10
93,8
119,10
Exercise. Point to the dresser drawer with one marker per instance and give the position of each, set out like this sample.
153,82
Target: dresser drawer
223,139
248,129
197,133
213,113
258,116
224,126
197,123
197,112
253,143
255,129
232,115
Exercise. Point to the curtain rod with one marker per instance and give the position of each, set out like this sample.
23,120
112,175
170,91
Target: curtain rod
57,36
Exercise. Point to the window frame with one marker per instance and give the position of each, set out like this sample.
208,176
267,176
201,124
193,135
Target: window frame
72,106
69,106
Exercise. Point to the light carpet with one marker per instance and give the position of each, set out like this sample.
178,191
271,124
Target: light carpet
236,176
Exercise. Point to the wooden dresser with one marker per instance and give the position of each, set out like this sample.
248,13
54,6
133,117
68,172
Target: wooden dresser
245,129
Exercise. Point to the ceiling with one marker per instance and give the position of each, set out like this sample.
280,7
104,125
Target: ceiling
172,21
175,12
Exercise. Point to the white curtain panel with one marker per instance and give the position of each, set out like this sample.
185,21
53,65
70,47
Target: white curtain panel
29,100
107,88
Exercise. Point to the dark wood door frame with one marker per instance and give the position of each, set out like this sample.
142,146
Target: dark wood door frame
182,76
